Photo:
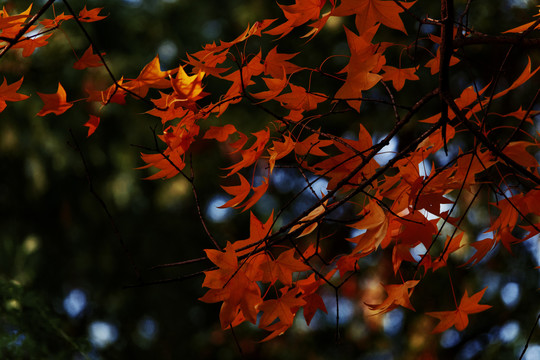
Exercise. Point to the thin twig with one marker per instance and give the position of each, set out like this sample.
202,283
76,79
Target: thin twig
117,232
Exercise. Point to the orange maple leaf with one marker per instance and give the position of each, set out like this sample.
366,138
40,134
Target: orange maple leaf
459,317
220,133
375,223
312,146
90,15
515,150
275,63
284,308
435,63
258,192
257,232
300,99
240,192
297,14
54,103
89,59
283,267
361,69
524,27
92,124
240,294
275,87
523,78
59,19
371,12
482,248
150,76
9,93
398,295
312,215
30,44
398,76
280,150
187,87
252,154
452,244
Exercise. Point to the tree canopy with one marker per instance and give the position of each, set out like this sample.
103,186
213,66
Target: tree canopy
329,178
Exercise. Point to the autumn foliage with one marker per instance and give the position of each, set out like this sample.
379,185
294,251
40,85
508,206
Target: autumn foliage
480,154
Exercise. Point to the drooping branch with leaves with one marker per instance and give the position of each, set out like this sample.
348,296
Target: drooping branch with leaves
480,152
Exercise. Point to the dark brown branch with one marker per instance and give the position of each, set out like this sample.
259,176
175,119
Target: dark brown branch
530,337
446,49
197,204
483,39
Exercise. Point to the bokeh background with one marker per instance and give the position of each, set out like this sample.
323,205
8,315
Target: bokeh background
65,276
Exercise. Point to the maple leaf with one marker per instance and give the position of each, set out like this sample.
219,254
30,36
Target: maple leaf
151,76
257,232
312,146
276,63
251,155
54,103
283,267
89,59
314,302
371,12
168,108
360,75
275,87
168,165
398,295
516,151
523,27
435,63
187,87
57,21
280,150
9,93
11,23
523,78
258,192
482,248
92,124
283,308
375,223
113,94
300,99
312,215
232,286
398,76
30,44
297,14
452,244
90,15
347,263
459,317
220,133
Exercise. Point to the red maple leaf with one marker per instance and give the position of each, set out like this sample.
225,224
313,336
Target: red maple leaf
459,317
